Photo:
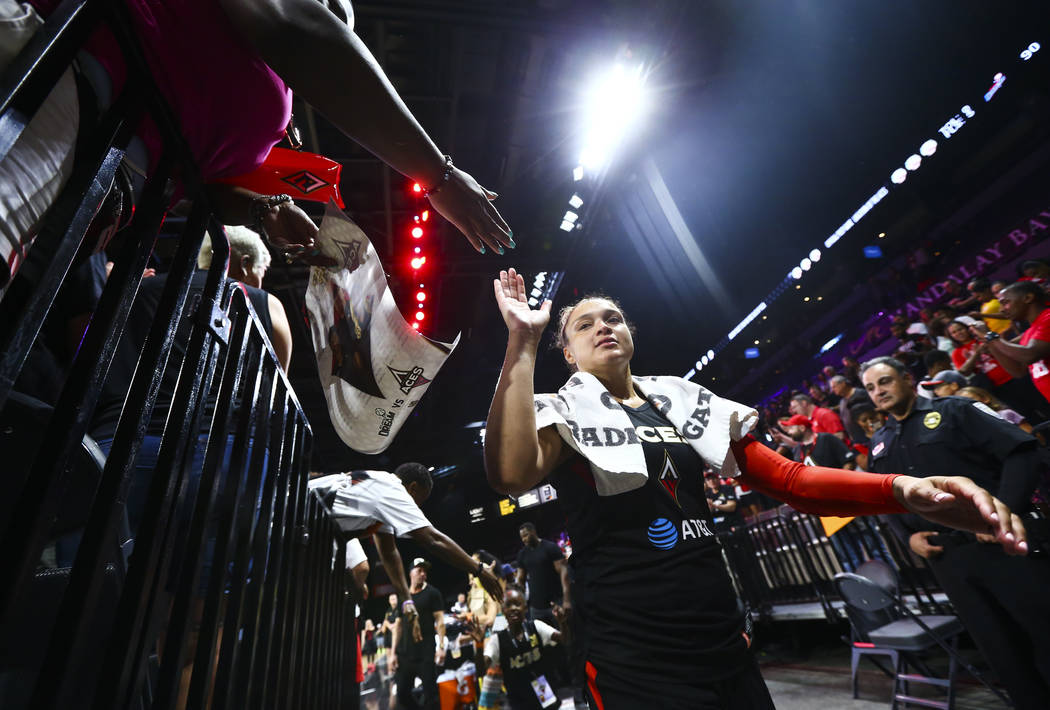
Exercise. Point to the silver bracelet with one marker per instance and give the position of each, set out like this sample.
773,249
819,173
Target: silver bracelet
433,190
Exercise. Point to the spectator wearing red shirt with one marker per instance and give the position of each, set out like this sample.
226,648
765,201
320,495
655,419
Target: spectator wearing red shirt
824,420
1026,301
971,355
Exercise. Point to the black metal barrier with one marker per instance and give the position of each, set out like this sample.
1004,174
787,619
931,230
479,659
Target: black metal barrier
782,563
230,595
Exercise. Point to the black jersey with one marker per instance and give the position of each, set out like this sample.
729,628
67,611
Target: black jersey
523,661
652,592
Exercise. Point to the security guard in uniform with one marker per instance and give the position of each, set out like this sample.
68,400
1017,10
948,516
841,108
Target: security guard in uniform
1003,601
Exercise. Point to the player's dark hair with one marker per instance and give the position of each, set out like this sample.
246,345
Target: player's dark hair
527,526
514,587
803,398
412,472
561,339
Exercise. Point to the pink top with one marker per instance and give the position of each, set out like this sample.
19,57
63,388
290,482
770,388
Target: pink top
231,106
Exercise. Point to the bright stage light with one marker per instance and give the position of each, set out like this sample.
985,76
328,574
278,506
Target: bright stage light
420,315
704,360
417,232
913,162
536,293
421,296
710,354
566,226
613,105
575,201
571,216
806,264
796,273
744,323
814,256
928,148
898,176
577,173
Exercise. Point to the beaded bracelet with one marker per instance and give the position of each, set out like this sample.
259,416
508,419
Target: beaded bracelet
444,178
260,206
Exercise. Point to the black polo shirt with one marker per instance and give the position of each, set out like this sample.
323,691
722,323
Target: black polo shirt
947,436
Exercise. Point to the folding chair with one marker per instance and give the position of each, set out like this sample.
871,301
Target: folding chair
883,624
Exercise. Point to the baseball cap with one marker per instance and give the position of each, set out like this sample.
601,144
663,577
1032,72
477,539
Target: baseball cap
797,420
943,378
420,562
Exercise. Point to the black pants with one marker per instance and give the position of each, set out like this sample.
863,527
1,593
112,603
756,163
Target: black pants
744,690
1004,603
408,669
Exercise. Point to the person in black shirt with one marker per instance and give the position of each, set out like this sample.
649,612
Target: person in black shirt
542,563
655,608
386,629
520,650
412,658
1001,600
722,501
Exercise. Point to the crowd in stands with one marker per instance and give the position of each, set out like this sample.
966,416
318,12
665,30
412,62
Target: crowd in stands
947,352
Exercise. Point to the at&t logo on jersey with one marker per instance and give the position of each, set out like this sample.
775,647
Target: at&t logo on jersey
664,534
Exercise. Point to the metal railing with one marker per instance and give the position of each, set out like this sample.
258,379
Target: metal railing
230,596
782,561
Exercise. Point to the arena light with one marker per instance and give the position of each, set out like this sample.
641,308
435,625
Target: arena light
536,293
566,226
575,201
540,278
806,264
831,343
698,366
747,321
425,216
417,232
751,353
704,360
846,226
420,315
417,262
415,325
928,148
577,173
421,296
571,216
814,256
533,302
796,273
614,104
710,354
898,176
417,188
913,162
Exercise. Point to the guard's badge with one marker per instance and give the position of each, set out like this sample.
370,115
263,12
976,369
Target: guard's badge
932,420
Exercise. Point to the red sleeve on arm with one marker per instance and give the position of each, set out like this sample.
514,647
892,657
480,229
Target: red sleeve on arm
814,489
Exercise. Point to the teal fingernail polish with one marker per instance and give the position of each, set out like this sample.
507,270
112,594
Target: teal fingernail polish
500,250
482,248
513,245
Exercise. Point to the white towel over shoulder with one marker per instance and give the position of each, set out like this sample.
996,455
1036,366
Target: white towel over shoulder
594,424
